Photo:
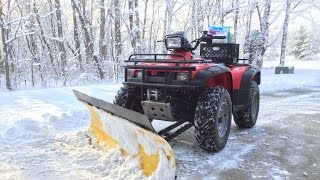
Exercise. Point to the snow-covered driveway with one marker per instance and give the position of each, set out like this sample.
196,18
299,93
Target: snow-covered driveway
43,135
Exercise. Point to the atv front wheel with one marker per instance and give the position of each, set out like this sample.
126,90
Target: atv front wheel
247,118
212,119
129,97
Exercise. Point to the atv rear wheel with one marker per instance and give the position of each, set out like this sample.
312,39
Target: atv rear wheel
247,118
129,97
212,119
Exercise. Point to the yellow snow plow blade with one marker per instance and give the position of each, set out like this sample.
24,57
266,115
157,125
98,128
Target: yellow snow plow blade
113,131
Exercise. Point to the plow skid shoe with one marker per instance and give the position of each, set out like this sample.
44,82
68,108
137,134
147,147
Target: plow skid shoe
132,132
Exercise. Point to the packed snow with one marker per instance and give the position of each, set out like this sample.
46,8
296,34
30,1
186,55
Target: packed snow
44,135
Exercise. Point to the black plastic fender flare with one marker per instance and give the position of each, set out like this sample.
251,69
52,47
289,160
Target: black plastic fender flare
201,79
241,96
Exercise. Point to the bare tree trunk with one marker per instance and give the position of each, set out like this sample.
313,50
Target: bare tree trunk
52,23
33,47
32,60
89,40
247,37
169,9
76,36
48,47
137,28
102,41
285,33
62,49
133,38
134,25
151,27
5,50
168,19
265,26
235,23
117,30
193,19
145,19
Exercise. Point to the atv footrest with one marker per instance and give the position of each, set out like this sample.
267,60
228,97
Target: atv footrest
168,135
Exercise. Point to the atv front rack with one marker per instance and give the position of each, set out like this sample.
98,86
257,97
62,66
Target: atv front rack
133,58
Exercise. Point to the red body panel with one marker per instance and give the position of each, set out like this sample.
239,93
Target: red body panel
223,80
186,54
237,72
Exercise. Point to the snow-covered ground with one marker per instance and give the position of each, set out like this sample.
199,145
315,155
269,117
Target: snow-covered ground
44,135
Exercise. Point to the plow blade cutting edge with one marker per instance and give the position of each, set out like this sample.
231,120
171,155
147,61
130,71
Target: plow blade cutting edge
117,127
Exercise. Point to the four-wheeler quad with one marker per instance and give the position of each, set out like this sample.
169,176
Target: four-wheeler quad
201,91
191,90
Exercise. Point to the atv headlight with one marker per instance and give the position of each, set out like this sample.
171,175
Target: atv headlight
182,76
174,42
139,74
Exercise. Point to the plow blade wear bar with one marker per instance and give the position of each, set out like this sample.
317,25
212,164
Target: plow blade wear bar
115,128
134,117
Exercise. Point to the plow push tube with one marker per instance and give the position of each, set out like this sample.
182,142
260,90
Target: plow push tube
115,128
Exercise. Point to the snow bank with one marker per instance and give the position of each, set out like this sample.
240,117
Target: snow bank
26,130
297,64
271,82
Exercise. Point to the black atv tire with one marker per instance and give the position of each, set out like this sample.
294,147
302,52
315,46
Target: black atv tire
247,118
129,98
212,120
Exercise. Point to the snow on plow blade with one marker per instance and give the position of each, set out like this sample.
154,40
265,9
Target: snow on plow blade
132,132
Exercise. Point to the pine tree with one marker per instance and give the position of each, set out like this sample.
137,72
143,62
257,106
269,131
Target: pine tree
301,45
315,39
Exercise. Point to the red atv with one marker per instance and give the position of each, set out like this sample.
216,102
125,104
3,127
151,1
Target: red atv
201,91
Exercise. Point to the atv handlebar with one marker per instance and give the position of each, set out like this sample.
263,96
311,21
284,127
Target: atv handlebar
204,38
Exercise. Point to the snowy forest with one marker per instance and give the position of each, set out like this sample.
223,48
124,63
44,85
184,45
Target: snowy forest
49,43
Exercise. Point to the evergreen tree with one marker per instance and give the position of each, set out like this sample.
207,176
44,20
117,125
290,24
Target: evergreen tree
301,45
315,39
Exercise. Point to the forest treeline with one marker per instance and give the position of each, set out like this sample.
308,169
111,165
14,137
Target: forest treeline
62,42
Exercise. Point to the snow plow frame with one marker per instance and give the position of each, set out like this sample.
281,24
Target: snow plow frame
135,117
